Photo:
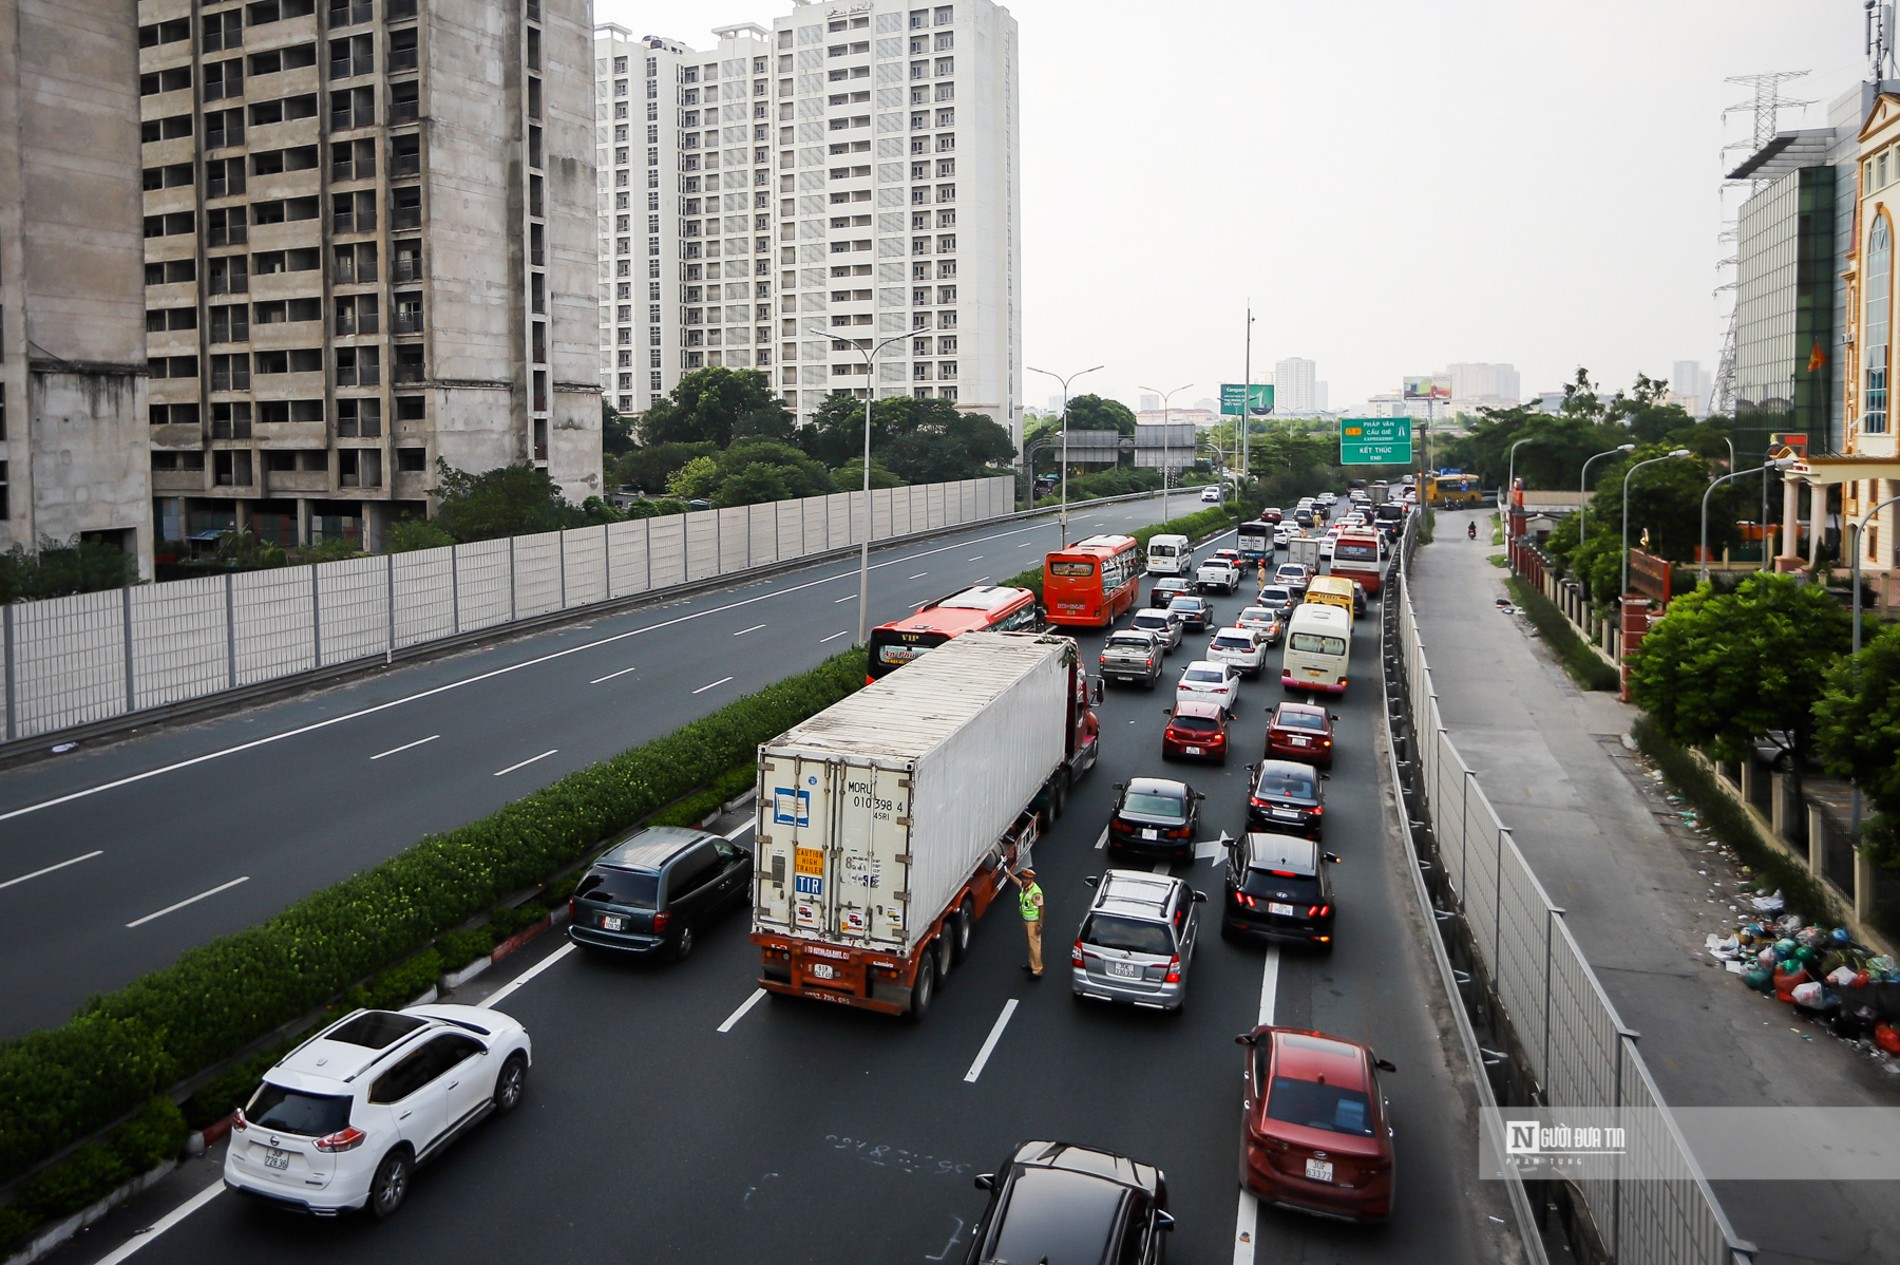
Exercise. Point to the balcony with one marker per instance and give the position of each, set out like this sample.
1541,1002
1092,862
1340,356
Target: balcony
178,482
284,482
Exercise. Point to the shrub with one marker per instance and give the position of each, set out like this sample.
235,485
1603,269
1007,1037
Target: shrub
150,1138
399,985
231,1088
89,1175
459,948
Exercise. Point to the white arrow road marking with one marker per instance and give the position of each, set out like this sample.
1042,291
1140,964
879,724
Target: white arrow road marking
1212,850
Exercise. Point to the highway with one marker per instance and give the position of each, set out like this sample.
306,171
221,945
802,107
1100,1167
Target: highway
119,857
675,1116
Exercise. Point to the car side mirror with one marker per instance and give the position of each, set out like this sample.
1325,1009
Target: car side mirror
1335,715
1098,690
986,1181
1168,712
1384,1065
1245,1038
1332,858
1164,1220
1325,777
1117,786
1200,898
1092,880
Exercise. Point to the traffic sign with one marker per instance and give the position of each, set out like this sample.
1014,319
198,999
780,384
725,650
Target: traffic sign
1259,397
1375,441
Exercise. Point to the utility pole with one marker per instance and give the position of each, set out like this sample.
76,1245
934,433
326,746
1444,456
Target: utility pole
1246,398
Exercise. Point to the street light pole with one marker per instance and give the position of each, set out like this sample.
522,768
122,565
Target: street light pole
1510,490
1680,452
1063,514
1702,572
1583,503
1166,417
869,351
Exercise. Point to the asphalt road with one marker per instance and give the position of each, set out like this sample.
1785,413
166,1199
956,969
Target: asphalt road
809,1133
116,859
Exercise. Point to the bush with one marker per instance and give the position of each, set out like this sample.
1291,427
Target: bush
89,1175
1583,664
231,1088
459,948
66,1083
150,1138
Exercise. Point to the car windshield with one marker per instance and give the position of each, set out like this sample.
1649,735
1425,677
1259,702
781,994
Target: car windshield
1294,783
1288,719
1126,642
1258,613
1150,621
636,888
1312,1105
1130,935
1270,883
295,1111
1317,643
1355,551
1196,724
1291,572
1274,593
1150,804
1229,642
1184,602
1204,676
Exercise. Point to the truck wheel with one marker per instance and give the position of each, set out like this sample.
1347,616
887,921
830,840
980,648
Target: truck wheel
924,991
1059,795
945,957
966,928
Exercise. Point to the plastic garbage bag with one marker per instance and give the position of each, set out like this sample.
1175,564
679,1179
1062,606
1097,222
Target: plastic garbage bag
1808,994
1842,976
1725,950
1768,904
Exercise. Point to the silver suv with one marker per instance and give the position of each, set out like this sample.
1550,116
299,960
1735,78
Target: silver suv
1137,940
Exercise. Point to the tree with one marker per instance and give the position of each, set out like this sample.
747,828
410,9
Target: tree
1092,412
616,430
1665,500
650,466
849,477
58,570
507,501
409,534
752,485
1721,670
920,441
694,480
711,405
1857,720
797,473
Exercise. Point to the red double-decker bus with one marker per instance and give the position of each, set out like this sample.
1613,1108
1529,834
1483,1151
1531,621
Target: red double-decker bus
1092,581
982,607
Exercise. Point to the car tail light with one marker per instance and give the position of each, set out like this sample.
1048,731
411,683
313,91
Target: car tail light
1325,742
1317,809
1254,802
1149,662
342,1140
660,920
1174,971
1241,898
1075,957
1178,832
1318,911
238,1123
570,909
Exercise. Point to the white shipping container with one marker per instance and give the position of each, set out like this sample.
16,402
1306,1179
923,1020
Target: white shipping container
873,813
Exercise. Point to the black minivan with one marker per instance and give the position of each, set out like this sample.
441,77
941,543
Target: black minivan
652,890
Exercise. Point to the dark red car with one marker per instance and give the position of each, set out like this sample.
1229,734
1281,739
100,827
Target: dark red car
1301,731
1317,1137
1271,516
1196,730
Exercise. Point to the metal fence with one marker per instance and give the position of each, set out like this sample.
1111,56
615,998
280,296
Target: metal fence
1577,1052
98,656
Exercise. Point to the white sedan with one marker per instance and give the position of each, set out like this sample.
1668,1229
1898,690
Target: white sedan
1210,681
1243,649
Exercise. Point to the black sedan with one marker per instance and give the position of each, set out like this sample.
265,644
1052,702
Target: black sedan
1167,587
1287,798
1154,816
1054,1201
1278,888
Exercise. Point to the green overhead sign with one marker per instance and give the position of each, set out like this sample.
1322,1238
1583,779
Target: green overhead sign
1375,441
1259,399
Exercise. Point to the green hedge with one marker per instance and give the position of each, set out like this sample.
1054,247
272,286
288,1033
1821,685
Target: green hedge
63,1084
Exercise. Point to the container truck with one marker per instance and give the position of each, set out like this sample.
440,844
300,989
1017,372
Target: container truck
888,823
1304,550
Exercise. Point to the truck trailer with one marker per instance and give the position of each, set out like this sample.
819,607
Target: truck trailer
888,823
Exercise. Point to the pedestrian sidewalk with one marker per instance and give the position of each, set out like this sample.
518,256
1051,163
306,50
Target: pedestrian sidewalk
1583,810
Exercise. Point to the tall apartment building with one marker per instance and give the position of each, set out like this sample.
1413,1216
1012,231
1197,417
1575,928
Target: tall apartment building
369,243
72,340
884,136
1479,383
1293,387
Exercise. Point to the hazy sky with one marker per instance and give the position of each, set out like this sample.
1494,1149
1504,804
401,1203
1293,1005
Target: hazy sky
1396,184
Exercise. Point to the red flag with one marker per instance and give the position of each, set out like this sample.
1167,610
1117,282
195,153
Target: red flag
1817,359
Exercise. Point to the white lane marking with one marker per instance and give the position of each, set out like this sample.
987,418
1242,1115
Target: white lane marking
976,558
736,831
834,636
920,575
610,676
996,1034
1163,867
1023,545
144,1238
848,597
479,677
97,852
1103,841
1247,1210
525,763
496,996
405,747
721,681
743,631
170,909
758,995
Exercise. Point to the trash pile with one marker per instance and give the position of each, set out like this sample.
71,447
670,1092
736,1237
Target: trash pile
1824,975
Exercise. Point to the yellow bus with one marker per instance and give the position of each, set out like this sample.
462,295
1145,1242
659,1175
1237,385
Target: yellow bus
1454,490
1333,590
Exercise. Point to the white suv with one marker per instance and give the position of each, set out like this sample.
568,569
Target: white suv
345,1118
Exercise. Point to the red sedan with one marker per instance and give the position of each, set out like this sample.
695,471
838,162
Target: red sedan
1301,731
1317,1135
1196,730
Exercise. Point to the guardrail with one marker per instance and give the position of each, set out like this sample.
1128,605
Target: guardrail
82,662
1565,1045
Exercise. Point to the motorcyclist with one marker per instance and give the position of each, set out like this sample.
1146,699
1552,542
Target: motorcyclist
1471,531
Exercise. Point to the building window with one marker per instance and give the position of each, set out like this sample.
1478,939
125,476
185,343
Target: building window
1877,324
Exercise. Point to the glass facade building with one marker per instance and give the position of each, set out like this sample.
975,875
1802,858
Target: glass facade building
1784,311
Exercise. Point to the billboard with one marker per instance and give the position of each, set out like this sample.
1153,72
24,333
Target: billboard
1259,399
1427,388
1375,441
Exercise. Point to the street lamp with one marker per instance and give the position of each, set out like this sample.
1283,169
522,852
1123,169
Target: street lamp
869,351
1859,528
1064,514
1583,502
1680,452
1510,489
1781,463
1166,416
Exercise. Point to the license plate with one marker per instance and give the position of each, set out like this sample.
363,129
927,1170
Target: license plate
1300,742
612,922
279,1160
1279,815
1194,751
1275,907
1126,970
1149,834
820,970
1319,1170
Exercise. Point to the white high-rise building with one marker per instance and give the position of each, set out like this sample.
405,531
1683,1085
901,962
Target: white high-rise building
1690,381
1293,393
1479,383
853,171
1321,394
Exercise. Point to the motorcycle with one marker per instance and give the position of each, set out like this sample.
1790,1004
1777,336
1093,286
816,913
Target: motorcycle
1471,531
